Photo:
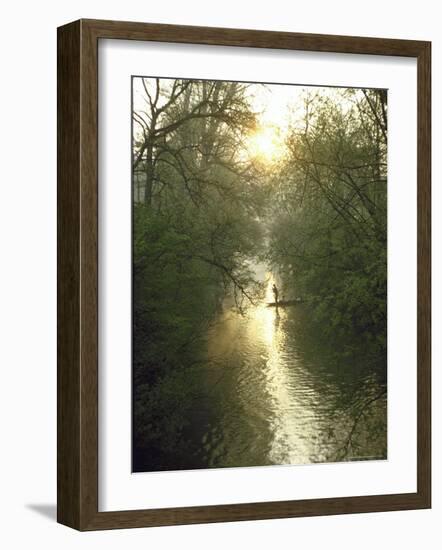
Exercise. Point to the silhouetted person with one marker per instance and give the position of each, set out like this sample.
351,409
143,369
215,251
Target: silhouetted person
275,293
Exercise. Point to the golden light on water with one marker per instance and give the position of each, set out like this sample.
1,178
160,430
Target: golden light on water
266,144
294,441
288,447
273,383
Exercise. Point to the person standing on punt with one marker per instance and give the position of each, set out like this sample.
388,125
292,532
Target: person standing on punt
275,293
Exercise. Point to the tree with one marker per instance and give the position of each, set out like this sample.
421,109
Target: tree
196,227
331,241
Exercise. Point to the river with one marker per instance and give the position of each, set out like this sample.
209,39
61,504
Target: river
273,393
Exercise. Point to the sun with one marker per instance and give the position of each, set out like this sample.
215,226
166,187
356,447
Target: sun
266,144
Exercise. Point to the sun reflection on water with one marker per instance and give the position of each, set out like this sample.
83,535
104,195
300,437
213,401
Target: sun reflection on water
272,399
288,447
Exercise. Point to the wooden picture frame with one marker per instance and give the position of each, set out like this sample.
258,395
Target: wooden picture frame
78,274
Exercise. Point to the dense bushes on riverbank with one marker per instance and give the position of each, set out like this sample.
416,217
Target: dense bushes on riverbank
329,230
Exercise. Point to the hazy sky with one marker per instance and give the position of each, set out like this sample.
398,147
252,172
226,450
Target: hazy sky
271,99
278,105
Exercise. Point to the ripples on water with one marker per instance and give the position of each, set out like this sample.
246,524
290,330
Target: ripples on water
274,396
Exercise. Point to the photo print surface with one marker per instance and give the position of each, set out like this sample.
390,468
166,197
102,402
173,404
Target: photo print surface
259,274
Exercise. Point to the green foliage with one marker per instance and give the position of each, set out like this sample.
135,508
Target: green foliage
330,241
195,228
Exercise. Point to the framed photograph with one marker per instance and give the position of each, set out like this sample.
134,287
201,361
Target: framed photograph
243,274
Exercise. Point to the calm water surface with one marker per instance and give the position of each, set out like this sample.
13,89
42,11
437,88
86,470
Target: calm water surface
273,394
